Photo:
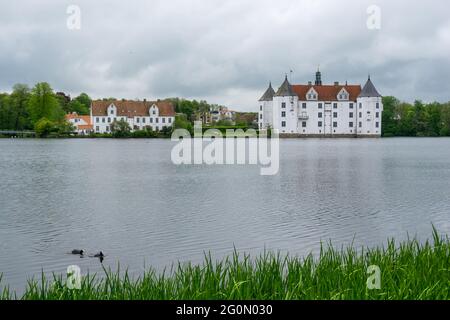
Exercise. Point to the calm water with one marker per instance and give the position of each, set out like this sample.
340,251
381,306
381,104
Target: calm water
127,199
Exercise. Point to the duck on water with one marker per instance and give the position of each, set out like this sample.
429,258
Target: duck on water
79,252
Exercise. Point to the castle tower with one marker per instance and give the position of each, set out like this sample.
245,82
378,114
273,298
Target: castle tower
369,112
265,113
285,105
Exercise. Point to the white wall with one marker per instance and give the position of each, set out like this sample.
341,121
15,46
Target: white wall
343,109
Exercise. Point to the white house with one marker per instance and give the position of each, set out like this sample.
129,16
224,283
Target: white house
322,110
82,124
139,114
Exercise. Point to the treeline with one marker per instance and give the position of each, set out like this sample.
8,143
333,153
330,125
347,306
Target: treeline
415,120
39,109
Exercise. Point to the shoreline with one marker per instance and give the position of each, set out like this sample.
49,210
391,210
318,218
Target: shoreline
404,270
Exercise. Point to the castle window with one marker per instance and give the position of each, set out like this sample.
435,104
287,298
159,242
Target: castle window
360,114
103,120
107,128
97,128
283,124
335,125
350,115
112,111
360,105
260,108
260,116
335,105
109,120
320,105
143,120
377,114
283,114
335,114
320,114
378,105
170,120
97,120
137,120
163,120
351,105
151,120
283,104
154,112
157,120
377,124
304,124
304,105
360,124
350,124
319,124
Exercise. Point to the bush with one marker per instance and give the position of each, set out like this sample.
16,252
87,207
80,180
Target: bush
44,128
146,133
120,129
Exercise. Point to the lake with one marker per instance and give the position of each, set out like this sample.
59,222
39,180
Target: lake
126,198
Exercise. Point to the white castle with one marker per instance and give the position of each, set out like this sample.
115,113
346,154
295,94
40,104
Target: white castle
322,110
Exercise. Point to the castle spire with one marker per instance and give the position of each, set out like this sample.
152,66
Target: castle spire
318,77
285,89
369,90
268,95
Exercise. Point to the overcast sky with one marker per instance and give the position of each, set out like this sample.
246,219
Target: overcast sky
224,51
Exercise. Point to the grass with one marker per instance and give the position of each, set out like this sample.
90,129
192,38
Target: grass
409,270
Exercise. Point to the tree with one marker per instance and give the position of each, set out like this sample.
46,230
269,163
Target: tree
78,107
19,100
120,129
5,111
445,120
390,116
81,104
44,127
44,104
181,122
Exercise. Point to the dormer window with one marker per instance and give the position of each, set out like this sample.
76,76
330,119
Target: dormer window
343,95
311,95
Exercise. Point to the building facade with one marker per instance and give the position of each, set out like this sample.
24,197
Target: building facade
322,110
139,115
82,124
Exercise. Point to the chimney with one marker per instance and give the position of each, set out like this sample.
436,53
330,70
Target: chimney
336,83
145,100
309,83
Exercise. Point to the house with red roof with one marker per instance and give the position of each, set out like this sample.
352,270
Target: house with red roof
83,124
139,115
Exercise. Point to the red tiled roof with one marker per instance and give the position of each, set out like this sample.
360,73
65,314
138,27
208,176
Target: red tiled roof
85,127
86,119
130,108
327,92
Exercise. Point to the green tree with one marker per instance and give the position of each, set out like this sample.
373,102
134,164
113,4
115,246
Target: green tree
182,122
44,127
5,112
390,116
80,104
120,129
445,120
78,107
19,100
44,104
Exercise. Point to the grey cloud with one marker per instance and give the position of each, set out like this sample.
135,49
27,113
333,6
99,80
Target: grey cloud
224,51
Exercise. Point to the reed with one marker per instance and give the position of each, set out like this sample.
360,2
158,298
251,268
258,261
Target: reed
409,270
